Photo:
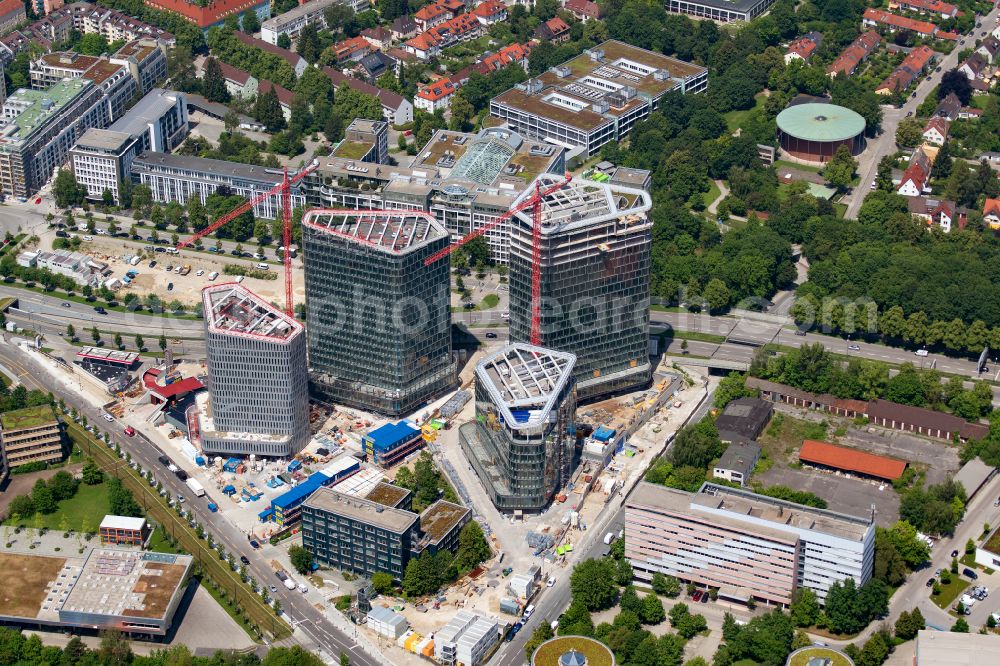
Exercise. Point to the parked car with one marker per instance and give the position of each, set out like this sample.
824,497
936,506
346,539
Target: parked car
921,352
66,304
954,553
697,595
930,582
129,431
244,559
108,418
100,310
854,347
491,335
970,574
254,544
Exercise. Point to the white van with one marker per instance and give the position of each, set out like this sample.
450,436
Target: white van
921,352
213,275
173,250
303,588
529,609
262,266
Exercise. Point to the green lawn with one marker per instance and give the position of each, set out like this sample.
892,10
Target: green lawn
490,301
699,336
712,194
778,164
90,503
840,209
734,119
158,543
29,417
950,592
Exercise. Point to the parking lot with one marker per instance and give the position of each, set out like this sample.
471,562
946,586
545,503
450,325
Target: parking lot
939,458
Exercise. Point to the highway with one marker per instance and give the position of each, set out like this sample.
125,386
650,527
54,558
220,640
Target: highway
317,628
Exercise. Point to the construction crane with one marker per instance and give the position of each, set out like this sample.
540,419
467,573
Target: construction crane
284,189
534,202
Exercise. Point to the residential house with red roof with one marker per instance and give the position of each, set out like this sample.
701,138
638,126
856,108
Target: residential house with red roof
490,12
12,14
859,50
297,62
914,180
429,43
435,96
936,131
508,55
991,213
431,15
554,30
379,37
583,10
934,212
351,50
913,65
936,7
803,47
238,83
873,18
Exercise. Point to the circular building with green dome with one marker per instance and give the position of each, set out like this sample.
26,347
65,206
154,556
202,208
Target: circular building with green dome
814,131
572,651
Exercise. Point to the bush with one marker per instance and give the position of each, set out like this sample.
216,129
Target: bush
237,269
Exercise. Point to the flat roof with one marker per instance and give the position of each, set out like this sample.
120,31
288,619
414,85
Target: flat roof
362,510
39,106
440,518
550,652
232,309
525,381
152,106
820,122
387,494
127,583
125,358
973,475
69,60
740,456
214,169
581,203
138,49
945,648
296,13
123,523
29,417
102,139
392,231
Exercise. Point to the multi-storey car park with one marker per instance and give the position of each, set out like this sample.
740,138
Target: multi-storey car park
522,441
745,545
378,319
594,276
259,393
596,97
466,181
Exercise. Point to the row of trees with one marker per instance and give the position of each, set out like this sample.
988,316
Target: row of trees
45,496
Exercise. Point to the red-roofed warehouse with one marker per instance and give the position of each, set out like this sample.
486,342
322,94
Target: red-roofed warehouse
850,460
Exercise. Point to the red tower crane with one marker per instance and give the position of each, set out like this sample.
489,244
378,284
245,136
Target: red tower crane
534,202
284,189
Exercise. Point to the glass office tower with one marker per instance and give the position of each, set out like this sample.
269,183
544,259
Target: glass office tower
522,442
378,321
595,253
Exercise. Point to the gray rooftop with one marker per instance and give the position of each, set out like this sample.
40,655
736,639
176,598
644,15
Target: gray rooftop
103,140
156,103
524,378
362,510
394,231
740,457
208,168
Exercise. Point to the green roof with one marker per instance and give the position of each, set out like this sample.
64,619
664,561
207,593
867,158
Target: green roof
29,417
803,656
820,122
41,104
595,652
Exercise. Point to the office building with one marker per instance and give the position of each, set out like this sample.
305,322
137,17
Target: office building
745,545
466,639
101,160
159,121
362,535
176,178
365,141
258,382
722,11
291,22
522,441
391,443
378,319
123,531
595,254
596,97
466,181
31,435
76,265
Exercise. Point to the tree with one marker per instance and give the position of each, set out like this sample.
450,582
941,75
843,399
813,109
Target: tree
22,506
249,23
623,572
593,582
716,294
668,586
576,620
95,334
63,485
70,332
284,41
115,650
66,190
960,626
461,113
805,607
43,498
118,340
382,582
651,611
839,171
92,474
909,133
301,559
908,624
629,600
267,109
954,81
139,343
540,635
213,83
163,343
472,547
913,551
731,387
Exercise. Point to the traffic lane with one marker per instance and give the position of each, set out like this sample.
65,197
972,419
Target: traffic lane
146,456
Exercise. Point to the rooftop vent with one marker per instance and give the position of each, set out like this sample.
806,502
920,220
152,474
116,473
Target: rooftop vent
562,71
661,74
596,54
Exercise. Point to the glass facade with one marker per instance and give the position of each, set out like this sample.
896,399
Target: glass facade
378,319
594,289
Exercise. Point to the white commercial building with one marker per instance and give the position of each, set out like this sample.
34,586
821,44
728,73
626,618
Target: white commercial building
101,160
944,648
387,623
745,545
291,22
467,639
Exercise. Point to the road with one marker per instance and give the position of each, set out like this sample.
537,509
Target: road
885,143
308,619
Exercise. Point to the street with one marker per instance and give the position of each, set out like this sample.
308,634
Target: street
297,609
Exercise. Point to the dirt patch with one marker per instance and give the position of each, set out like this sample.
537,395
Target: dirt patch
23,581
783,436
157,590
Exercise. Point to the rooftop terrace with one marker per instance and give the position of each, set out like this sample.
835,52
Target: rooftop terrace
394,231
387,494
29,417
38,105
232,309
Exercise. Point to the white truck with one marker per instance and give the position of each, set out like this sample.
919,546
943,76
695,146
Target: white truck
289,583
608,538
196,487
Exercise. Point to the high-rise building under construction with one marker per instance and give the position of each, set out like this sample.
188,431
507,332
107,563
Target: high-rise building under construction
523,439
594,251
258,384
378,319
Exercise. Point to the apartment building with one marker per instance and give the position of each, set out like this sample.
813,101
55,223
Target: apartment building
522,442
113,79
745,545
102,160
466,181
212,13
365,141
39,128
595,245
257,370
596,97
30,435
12,14
291,22
176,178
378,319
146,60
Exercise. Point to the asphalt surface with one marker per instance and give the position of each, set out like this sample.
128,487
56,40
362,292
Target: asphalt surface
295,606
